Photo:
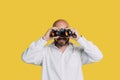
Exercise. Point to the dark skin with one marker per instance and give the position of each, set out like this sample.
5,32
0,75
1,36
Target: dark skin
60,43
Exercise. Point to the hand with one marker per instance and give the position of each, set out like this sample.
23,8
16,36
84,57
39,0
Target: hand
75,32
47,35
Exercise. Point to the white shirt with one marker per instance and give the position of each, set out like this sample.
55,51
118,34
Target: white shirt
62,66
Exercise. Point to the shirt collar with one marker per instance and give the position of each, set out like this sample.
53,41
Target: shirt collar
69,46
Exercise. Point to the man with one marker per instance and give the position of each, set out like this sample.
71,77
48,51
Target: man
61,60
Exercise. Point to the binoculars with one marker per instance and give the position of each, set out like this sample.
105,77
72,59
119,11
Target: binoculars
62,33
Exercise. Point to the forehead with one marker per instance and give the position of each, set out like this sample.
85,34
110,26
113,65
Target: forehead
61,24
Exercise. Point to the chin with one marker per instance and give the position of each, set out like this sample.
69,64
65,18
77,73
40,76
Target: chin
61,42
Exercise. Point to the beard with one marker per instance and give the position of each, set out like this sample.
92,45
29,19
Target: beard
61,41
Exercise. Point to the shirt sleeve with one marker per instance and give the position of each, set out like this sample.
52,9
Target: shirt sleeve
89,52
35,53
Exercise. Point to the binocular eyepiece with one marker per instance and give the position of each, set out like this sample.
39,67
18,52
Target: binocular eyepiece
62,33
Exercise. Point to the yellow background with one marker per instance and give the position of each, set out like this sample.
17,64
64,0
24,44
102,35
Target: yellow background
24,21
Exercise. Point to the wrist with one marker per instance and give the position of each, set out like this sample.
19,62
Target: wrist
78,37
44,38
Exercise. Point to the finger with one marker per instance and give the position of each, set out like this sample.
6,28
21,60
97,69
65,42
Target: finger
55,28
72,29
69,27
56,37
50,29
71,37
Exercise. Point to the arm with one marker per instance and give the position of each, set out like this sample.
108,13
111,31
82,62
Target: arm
89,51
37,50
35,53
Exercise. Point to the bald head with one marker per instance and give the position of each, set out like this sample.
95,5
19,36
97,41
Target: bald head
60,23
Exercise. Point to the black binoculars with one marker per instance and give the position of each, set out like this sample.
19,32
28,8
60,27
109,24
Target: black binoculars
62,33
